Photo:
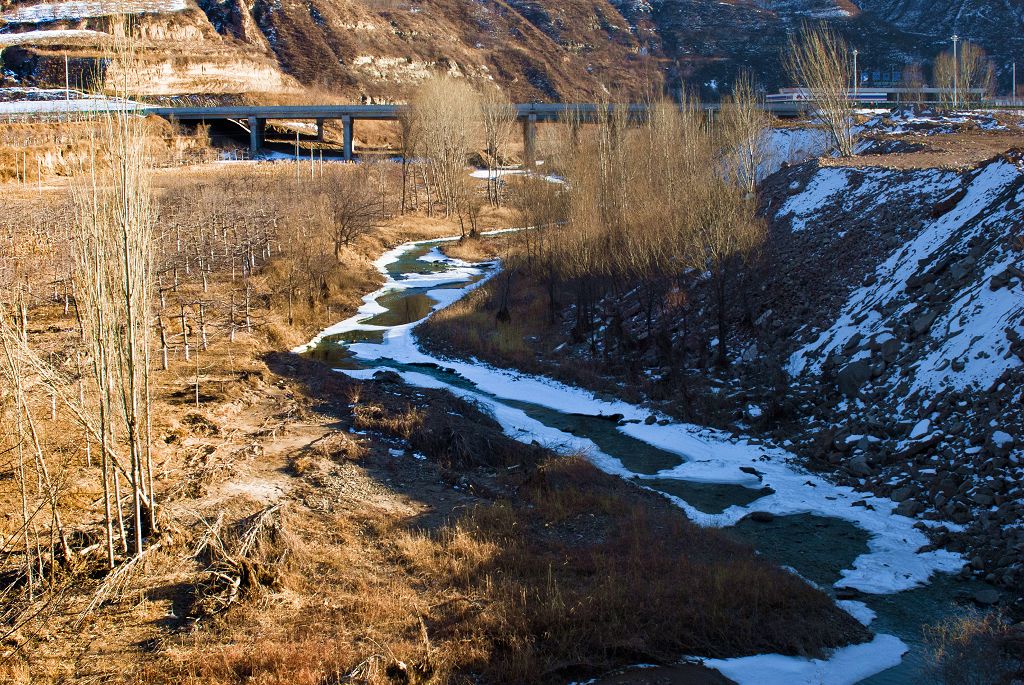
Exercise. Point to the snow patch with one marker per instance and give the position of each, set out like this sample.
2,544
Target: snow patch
845,666
80,9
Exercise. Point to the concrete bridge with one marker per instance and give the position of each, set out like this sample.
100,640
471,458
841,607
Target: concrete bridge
254,118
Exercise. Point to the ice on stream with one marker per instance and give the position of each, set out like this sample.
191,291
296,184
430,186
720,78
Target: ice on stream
845,666
891,564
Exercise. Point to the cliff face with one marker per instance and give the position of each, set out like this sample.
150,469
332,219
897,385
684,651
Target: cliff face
374,50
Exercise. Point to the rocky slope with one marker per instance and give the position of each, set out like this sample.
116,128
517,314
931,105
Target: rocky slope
909,362
881,334
373,50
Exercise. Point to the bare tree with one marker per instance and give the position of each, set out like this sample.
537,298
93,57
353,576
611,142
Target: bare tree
113,279
967,79
726,231
744,128
353,205
913,82
409,127
498,120
448,119
818,60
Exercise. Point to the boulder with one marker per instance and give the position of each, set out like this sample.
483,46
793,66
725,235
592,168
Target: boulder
853,376
910,507
902,494
889,349
986,596
923,322
1000,443
982,498
858,466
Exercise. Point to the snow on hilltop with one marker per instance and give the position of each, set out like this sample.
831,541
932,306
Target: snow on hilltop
81,9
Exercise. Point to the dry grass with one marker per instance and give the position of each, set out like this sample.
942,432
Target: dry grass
527,340
447,430
471,326
218,411
513,591
473,249
34,152
976,649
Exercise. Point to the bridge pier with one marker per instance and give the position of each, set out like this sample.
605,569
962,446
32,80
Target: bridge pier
529,141
346,122
257,132
319,130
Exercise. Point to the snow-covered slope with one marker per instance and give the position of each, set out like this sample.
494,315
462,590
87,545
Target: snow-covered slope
951,295
901,313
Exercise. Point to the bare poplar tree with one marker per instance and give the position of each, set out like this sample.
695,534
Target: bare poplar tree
448,119
113,251
966,80
498,120
726,231
818,60
744,127
409,127
913,82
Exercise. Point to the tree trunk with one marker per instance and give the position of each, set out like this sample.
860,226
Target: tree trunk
723,352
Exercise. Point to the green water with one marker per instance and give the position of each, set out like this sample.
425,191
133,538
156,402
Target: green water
403,306
409,262
711,498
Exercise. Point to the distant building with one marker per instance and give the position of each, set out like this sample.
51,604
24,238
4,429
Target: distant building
872,78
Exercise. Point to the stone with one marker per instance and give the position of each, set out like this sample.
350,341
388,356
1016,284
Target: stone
909,508
986,596
920,429
982,499
1000,443
902,494
923,322
853,376
858,466
761,516
997,282
890,350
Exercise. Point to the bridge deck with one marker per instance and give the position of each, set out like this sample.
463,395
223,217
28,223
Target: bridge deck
256,117
537,111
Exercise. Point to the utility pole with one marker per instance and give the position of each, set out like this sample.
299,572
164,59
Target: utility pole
956,73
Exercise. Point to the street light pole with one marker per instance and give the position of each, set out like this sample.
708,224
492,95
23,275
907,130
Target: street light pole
856,74
956,73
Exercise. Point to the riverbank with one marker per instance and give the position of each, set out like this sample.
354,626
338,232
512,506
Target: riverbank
702,471
316,527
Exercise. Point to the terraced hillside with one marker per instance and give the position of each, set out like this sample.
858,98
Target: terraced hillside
374,50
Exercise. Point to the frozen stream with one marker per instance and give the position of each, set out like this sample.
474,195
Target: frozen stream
833,536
